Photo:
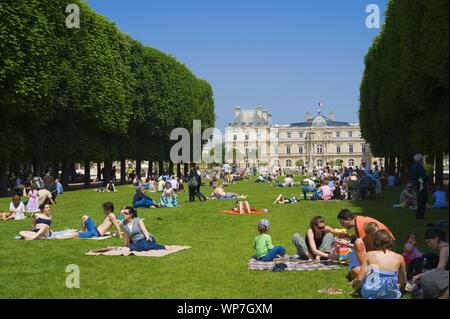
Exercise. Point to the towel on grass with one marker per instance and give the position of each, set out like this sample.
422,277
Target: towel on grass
125,251
67,233
253,212
293,265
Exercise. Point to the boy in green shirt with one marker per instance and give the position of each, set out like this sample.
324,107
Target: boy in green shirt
265,251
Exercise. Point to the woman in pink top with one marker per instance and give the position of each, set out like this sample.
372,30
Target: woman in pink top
410,251
327,191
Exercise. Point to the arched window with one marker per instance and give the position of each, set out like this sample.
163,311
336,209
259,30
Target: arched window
351,162
288,163
319,163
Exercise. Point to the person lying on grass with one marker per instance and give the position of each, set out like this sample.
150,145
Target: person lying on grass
40,225
383,272
136,235
90,230
242,207
283,200
219,193
265,250
16,210
317,242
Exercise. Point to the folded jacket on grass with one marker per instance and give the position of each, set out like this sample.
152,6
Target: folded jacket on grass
253,212
293,265
125,251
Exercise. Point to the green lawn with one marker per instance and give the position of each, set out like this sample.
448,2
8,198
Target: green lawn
216,266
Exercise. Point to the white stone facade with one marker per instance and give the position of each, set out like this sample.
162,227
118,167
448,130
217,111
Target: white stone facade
320,140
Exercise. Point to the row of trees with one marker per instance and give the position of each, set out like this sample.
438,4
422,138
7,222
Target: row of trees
87,94
404,91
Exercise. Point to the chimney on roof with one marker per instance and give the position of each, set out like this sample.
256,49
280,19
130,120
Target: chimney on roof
259,111
269,118
331,116
237,112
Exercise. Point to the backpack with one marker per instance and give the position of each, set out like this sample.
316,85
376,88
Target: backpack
193,182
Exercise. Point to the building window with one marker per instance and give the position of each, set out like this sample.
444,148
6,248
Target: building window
234,137
350,148
300,149
319,163
301,134
288,149
350,134
338,149
363,148
288,163
351,162
246,151
247,164
338,134
277,135
289,135
319,149
275,149
246,137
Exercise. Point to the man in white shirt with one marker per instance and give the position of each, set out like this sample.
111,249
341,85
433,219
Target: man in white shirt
174,183
226,173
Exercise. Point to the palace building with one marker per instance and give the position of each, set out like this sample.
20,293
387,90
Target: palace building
318,141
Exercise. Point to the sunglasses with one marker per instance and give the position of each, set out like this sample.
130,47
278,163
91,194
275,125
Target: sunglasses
126,213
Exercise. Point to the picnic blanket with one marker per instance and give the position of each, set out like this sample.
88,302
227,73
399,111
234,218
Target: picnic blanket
125,251
253,212
293,265
169,202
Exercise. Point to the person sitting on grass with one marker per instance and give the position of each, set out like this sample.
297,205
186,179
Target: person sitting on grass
265,250
348,220
440,198
317,242
360,248
428,283
408,198
169,199
136,235
383,272
141,199
308,186
283,200
16,210
242,207
410,251
40,225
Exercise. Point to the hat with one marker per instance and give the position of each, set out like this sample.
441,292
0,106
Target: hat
264,224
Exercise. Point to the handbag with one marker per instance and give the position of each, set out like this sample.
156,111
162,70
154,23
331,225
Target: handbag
193,182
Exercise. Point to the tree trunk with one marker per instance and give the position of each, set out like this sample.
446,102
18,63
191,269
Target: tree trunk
139,168
99,171
87,174
439,168
123,171
65,174
73,172
36,168
3,178
161,167
170,167
107,172
55,170
186,168
179,170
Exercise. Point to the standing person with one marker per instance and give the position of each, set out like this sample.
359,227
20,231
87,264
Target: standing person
48,180
199,183
420,182
33,200
226,173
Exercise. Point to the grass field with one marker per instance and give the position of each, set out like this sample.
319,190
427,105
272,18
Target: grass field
216,266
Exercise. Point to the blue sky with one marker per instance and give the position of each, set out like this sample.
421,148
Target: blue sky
285,55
